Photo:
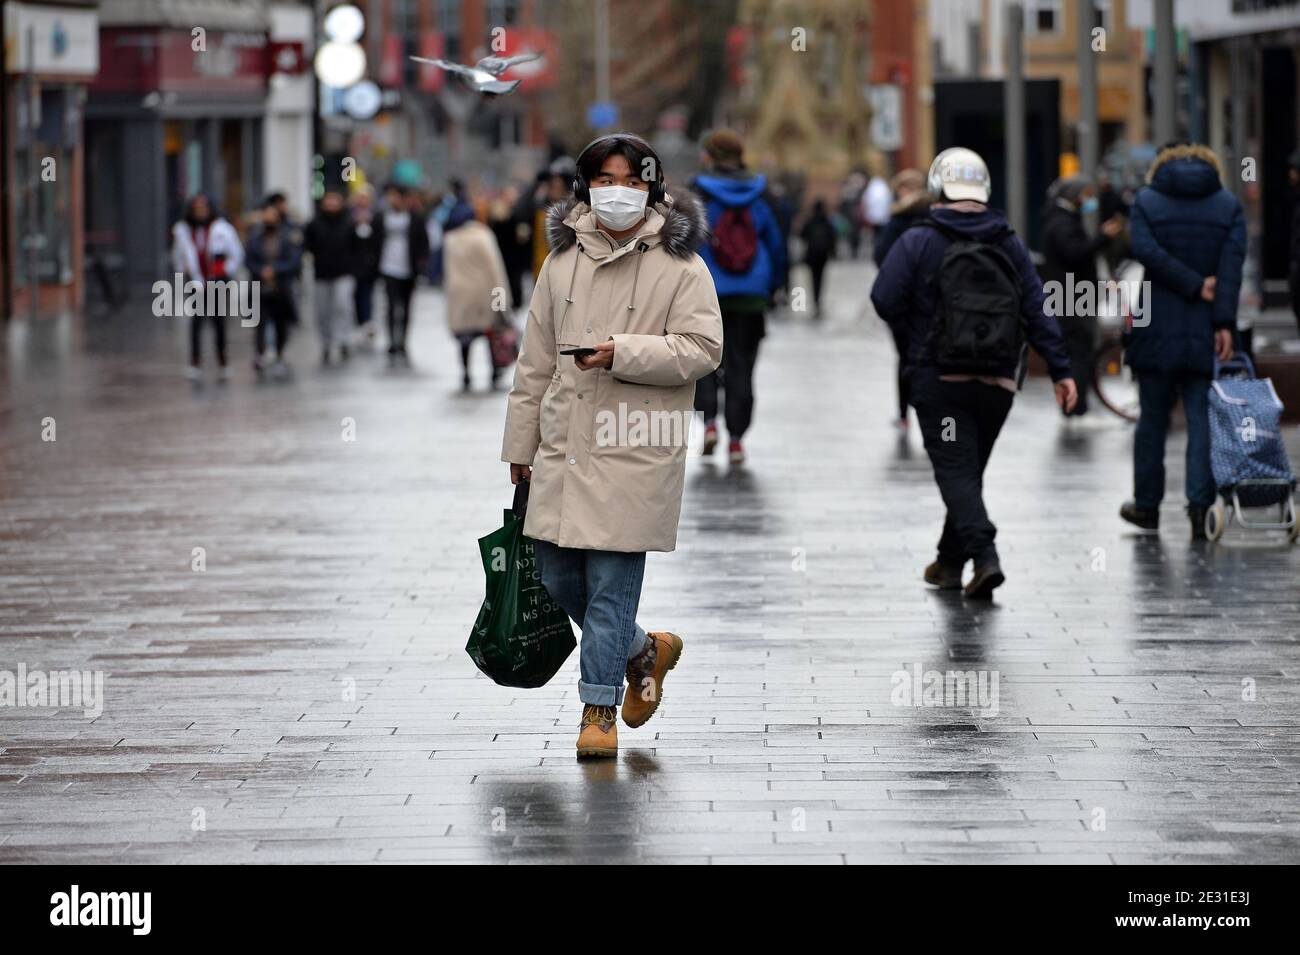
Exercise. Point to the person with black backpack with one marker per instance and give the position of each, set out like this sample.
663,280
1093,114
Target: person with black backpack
960,288
746,257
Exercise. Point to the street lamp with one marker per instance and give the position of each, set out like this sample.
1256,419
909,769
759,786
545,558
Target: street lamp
340,64
341,61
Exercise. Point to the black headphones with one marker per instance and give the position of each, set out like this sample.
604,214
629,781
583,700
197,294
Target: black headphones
582,192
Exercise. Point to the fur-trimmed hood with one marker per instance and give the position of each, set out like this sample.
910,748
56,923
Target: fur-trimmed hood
684,227
1189,170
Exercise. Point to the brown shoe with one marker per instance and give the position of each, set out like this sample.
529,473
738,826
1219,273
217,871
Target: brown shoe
942,576
985,580
598,732
645,677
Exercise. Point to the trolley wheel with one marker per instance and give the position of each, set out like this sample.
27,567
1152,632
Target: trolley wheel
1216,519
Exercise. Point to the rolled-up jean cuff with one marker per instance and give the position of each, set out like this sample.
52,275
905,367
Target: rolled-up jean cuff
593,694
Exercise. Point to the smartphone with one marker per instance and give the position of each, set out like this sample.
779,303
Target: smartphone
579,352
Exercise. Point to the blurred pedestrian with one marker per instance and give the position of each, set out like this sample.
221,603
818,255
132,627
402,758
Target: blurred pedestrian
503,210
876,200
403,248
851,193
369,246
478,289
965,292
274,259
553,188
332,242
911,205
819,240
206,248
622,281
280,200
1070,260
746,257
1189,233
779,199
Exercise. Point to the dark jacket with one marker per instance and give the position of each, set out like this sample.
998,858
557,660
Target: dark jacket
369,245
333,244
1185,227
738,189
281,249
417,240
904,292
819,238
1067,247
902,217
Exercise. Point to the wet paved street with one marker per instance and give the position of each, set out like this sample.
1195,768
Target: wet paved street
306,696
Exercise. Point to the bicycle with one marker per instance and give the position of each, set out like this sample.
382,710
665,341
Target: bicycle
1115,385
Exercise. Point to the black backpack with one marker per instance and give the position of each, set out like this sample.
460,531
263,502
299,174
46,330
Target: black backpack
977,327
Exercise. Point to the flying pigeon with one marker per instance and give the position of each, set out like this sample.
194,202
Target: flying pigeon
483,75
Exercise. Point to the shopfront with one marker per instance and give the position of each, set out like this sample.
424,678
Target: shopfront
170,114
51,51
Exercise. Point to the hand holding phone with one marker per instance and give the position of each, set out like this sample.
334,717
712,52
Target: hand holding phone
578,352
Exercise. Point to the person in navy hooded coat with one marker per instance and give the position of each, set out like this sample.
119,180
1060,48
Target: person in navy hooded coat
1190,235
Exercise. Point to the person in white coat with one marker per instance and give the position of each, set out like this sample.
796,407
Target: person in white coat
478,289
206,248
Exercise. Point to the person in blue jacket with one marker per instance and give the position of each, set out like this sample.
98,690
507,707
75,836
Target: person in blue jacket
746,257
1189,233
961,414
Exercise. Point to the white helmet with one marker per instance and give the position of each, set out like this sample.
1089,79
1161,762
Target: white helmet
959,173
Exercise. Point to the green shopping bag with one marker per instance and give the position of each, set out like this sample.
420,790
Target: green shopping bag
521,637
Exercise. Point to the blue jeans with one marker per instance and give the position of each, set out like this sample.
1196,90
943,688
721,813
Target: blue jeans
600,590
1157,392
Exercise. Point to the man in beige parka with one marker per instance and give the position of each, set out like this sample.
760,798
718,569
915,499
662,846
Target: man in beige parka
601,434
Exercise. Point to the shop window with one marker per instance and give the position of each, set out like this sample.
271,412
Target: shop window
43,211
1043,17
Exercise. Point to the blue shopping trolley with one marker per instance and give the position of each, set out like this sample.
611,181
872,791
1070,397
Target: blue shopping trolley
1247,455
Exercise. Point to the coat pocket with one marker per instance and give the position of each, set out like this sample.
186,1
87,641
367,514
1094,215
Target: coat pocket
640,420
553,416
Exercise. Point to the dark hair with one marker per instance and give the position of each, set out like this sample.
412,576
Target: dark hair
189,208
395,187
632,148
274,198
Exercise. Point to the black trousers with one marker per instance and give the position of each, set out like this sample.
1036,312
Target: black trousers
196,337
741,334
901,375
960,422
398,292
1080,334
279,309
818,269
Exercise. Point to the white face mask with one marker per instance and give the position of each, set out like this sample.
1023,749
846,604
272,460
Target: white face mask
618,207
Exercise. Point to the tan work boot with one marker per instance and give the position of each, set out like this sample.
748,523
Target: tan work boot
598,732
645,677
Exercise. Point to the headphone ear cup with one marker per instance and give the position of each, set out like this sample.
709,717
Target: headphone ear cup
580,190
